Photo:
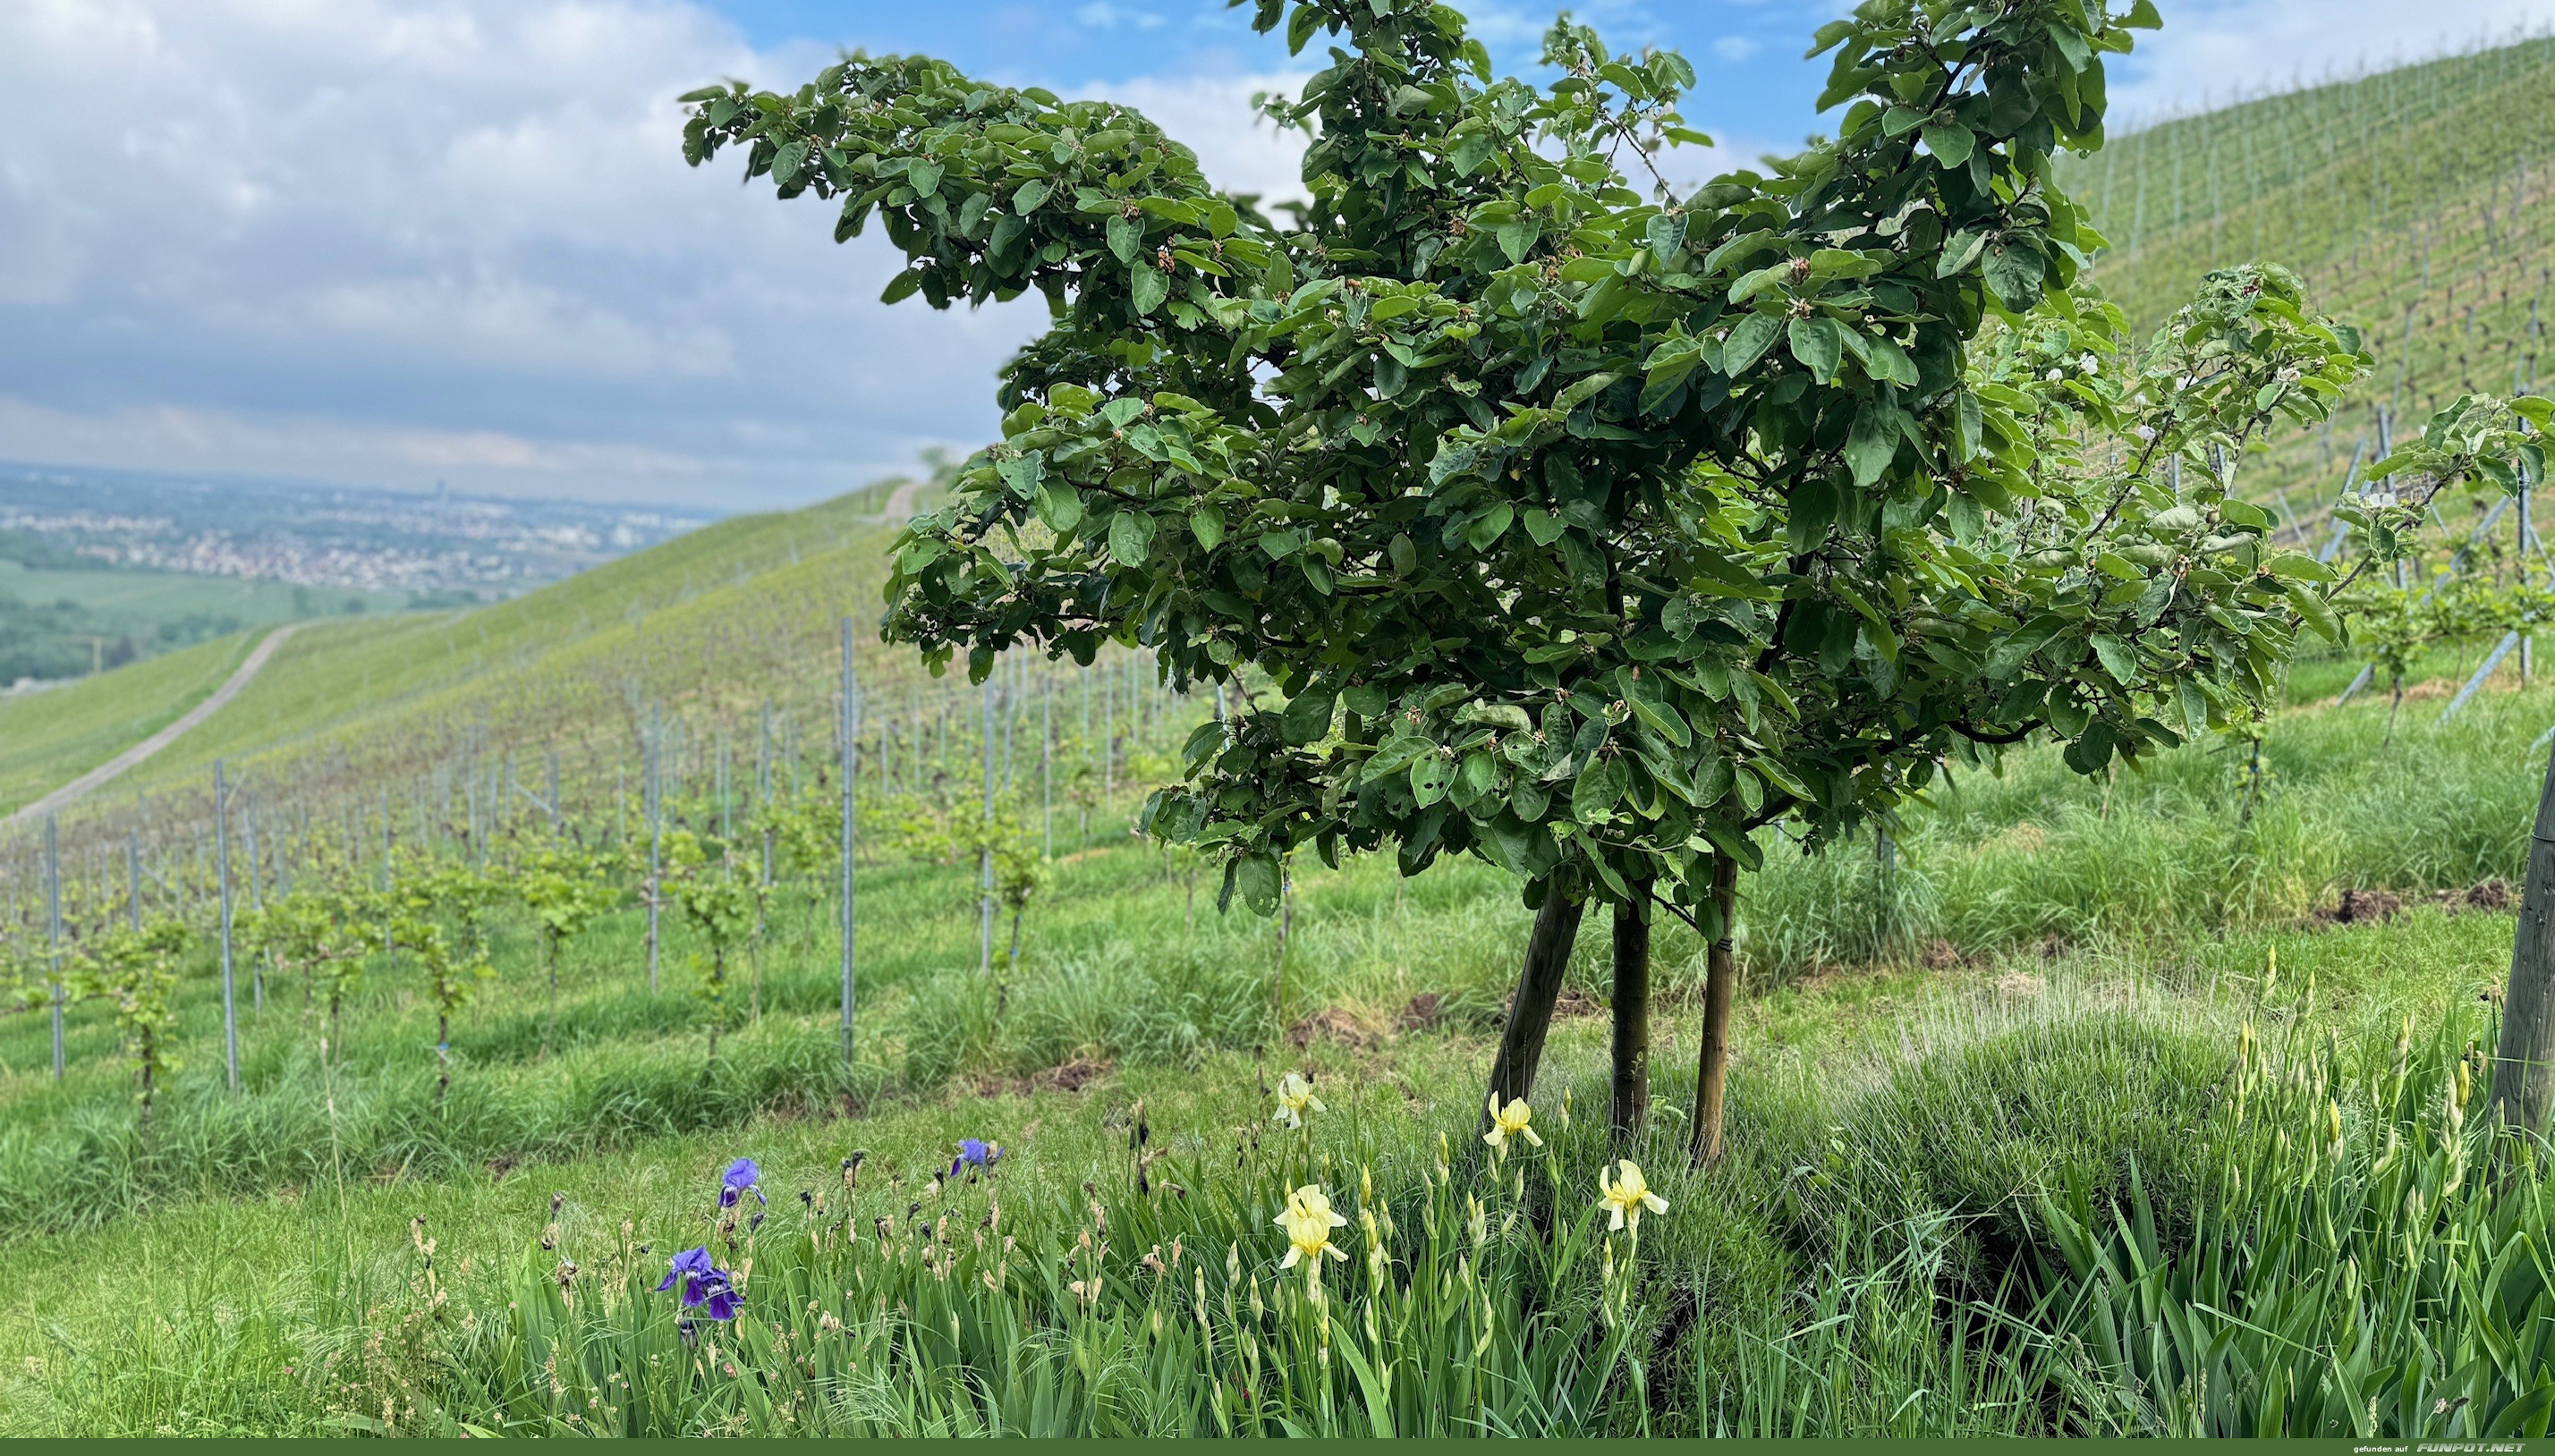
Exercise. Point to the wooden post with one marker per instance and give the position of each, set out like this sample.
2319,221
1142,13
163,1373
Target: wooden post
1631,1033
2524,1079
1548,957
1720,984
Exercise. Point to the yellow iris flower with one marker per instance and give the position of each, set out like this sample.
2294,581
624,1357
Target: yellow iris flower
1294,1099
1308,1221
1509,1122
1629,1195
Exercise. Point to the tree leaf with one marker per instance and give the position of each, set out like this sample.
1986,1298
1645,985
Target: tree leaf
1817,344
1950,141
1644,701
1395,754
1060,506
1126,237
1962,251
1430,777
1147,289
2117,657
1207,525
1667,234
1594,792
1308,716
1874,441
1257,878
1748,341
2316,610
2014,270
1485,529
1131,537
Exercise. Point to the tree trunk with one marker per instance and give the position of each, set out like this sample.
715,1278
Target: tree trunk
2523,1081
1721,980
1547,955
1632,1047
443,1055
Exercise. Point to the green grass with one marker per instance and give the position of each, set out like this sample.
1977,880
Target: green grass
1127,963
1867,1181
1898,1115
48,738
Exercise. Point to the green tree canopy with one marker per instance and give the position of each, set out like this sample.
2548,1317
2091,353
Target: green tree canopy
1581,526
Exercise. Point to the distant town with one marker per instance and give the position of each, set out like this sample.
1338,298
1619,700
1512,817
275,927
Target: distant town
444,547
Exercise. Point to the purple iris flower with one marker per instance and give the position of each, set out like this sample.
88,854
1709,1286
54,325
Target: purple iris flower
706,1287
718,1296
974,1152
742,1177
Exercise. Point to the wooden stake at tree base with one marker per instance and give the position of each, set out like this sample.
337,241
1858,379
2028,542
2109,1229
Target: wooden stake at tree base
2524,1078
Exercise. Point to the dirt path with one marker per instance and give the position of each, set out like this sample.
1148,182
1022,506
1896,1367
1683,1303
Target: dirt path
903,503
68,794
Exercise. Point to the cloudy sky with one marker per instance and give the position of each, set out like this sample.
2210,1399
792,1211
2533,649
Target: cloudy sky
392,242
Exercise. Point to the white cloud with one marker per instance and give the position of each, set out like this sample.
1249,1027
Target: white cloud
236,442
1211,115
2211,50
1101,15
386,240
381,240
1735,47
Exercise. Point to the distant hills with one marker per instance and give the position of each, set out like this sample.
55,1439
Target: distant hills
100,568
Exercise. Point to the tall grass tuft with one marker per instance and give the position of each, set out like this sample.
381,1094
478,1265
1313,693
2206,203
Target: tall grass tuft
2370,1259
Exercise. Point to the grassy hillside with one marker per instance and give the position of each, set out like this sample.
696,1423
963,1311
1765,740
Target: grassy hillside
2418,203
48,738
703,632
732,604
